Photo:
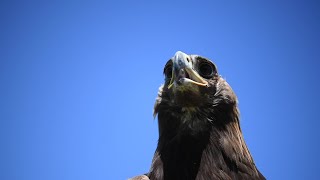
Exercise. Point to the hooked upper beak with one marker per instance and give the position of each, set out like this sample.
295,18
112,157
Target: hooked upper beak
183,73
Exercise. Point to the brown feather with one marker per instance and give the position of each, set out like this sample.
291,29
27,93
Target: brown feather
199,132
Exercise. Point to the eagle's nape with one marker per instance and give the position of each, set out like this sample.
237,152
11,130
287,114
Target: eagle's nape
199,131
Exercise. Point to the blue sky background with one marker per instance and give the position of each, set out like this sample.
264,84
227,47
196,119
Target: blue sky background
79,79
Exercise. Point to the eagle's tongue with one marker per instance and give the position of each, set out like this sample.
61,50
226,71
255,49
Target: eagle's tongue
182,74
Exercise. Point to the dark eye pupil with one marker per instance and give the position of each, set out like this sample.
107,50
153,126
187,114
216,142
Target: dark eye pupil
168,72
206,70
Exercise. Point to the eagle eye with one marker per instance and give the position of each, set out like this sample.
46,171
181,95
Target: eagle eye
206,70
168,71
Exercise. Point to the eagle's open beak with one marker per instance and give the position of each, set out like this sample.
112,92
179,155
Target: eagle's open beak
183,73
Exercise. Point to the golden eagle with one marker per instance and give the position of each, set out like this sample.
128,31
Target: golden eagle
199,133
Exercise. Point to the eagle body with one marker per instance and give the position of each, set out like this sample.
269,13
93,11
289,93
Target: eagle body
199,132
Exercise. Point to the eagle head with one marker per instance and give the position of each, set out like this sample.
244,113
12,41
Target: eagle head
192,85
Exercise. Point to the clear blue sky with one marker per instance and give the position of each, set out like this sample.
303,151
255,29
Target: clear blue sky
79,79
